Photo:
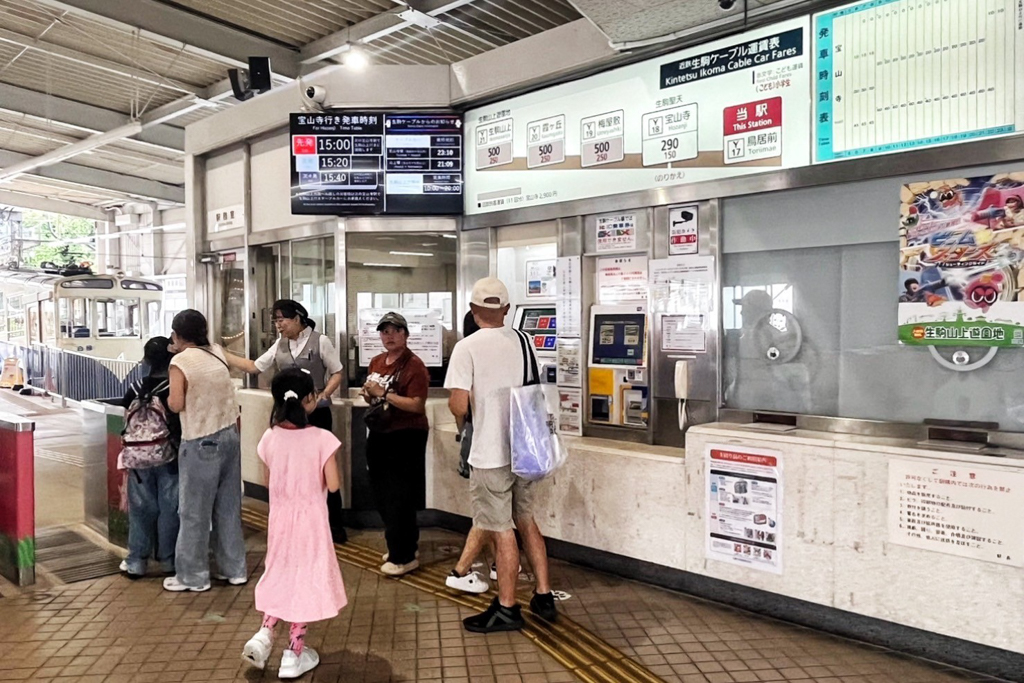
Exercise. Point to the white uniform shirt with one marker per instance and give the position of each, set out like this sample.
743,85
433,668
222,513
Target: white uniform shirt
327,352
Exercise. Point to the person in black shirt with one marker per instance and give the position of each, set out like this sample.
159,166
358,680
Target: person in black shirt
153,492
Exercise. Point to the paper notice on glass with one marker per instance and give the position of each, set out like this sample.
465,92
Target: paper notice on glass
744,506
425,334
569,362
540,279
683,333
682,284
568,306
682,268
621,279
570,411
616,233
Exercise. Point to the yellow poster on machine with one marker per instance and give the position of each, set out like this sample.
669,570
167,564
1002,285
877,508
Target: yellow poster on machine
602,382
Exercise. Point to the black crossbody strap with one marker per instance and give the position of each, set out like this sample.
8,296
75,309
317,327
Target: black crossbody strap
529,361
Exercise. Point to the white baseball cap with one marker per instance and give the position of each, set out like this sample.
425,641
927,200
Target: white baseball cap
489,288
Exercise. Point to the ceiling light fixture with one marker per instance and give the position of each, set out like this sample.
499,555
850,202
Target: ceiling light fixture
384,265
411,253
356,59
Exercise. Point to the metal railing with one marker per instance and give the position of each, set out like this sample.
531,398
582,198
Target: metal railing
71,375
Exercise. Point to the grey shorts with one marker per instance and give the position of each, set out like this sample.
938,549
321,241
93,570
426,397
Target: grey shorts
499,497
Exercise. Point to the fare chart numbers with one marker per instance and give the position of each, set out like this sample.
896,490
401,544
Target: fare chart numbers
670,135
494,144
893,75
546,142
603,139
376,162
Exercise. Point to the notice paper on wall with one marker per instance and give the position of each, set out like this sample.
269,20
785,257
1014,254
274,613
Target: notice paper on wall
683,333
541,282
621,279
569,362
744,509
616,233
682,285
424,334
568,305
957,508
570,411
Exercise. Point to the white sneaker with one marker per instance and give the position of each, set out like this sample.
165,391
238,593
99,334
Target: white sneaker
392,569
472,582
293,665
240,581
172,584
123,566
257,650
494,571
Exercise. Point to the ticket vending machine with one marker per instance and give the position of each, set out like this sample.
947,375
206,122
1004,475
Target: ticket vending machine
618,372
539,321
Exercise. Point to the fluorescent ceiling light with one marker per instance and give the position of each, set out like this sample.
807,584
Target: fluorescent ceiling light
384,265
411,253
450,237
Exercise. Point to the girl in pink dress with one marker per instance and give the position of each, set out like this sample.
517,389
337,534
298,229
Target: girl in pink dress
302,582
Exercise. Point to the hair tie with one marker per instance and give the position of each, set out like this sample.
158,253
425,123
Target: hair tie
290,394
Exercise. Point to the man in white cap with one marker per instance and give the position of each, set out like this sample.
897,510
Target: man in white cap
483,369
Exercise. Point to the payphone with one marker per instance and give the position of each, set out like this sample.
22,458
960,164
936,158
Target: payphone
618,376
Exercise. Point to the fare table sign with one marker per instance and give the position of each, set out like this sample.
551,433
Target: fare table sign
353,163
957,509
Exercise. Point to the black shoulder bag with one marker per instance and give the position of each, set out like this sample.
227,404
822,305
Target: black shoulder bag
378,416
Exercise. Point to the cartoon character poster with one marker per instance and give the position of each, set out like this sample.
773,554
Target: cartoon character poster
961,257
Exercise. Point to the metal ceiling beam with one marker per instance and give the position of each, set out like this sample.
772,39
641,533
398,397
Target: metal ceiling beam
374,27
69,151
37,203
97,178
110,66
85,117
177,28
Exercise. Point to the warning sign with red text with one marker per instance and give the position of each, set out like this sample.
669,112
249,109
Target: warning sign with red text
744,510
753,131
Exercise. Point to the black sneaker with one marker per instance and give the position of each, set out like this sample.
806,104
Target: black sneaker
496,618
544,606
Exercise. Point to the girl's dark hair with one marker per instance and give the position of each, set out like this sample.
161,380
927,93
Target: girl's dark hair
289,308
469,325
290,409
155,353
190,325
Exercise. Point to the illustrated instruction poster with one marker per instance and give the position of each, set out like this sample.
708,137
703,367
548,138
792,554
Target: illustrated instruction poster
540,279
896,75
616,233
958,509
425,332
735,106
570,411
683,230
569,362
744,510
961,252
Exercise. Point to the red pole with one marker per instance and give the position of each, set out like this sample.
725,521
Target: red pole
17,500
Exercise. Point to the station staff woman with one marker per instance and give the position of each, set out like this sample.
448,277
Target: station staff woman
302,346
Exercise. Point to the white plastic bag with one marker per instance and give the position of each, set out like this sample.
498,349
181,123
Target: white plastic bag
536,448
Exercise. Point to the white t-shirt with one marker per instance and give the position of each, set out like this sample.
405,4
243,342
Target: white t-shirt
488,364
327,353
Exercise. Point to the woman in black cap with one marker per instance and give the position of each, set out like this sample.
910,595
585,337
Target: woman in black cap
303,347
396,389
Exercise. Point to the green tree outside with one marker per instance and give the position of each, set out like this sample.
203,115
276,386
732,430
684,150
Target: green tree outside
41,230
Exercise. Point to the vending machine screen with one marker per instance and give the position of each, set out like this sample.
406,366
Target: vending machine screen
539,322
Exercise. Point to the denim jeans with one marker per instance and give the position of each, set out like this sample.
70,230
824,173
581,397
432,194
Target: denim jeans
152,516
210,495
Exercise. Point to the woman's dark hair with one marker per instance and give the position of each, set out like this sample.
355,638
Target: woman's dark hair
290,409
469,325
190,325
289,308
156,356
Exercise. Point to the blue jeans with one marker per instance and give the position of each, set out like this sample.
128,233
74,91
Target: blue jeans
210,499
152,511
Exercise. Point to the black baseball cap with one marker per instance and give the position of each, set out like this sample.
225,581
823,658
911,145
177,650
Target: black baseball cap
392,318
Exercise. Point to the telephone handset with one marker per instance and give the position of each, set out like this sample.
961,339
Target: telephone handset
682,380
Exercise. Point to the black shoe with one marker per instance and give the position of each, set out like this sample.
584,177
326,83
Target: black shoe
339,535
544,606
496,618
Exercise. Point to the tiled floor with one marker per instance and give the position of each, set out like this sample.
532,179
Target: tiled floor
112,630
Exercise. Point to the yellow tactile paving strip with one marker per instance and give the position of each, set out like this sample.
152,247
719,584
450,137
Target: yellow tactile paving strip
587,656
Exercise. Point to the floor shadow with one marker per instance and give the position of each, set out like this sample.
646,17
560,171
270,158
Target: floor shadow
342,666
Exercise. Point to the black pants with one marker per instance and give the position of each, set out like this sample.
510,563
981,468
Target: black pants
397,465
321,417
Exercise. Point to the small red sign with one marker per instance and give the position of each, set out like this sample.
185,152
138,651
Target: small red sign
749,458
747,118
543,324
683,239
304,144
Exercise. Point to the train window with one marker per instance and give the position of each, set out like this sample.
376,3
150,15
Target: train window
117,318
155,326
33,323
49,322
88,283
74,318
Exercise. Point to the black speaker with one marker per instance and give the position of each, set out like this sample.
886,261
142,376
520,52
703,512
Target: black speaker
259,74
240,84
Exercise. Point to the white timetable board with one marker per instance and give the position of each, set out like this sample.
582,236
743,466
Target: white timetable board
895,75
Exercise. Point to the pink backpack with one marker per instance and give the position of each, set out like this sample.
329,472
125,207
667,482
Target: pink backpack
146,439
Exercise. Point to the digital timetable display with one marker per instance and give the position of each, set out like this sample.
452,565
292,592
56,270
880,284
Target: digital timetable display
373,162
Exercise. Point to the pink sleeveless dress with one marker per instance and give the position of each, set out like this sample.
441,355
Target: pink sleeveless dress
302,581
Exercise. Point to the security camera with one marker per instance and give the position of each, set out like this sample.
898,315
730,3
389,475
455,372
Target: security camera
726,5
314,93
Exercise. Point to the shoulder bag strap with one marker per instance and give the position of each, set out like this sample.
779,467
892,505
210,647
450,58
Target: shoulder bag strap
529,361
222,361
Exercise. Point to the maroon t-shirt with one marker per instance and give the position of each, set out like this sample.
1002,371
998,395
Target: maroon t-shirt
413,381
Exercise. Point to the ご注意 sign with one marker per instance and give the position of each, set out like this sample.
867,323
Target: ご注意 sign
958,509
